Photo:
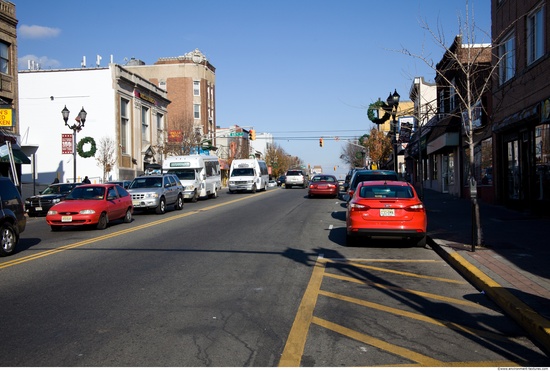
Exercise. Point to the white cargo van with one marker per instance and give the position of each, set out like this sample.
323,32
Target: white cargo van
248,175
199,175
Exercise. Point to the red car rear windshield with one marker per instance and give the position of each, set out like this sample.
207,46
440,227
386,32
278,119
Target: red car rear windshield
386,191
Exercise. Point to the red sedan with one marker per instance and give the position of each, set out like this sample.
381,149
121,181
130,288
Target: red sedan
91,204
386,209
323,185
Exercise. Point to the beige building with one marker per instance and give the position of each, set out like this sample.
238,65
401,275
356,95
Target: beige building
190,81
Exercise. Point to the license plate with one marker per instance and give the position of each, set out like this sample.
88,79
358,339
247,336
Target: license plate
66,218
387,212
38,208
136,203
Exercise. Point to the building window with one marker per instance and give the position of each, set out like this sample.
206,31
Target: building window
160,122
452,96
507,59
145,124
197,111
441,101
197,88
124,126
4,58
535,35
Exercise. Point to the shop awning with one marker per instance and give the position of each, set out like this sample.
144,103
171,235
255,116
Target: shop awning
18,156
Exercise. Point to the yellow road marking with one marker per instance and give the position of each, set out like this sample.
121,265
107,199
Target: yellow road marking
421,359
400,289
419,317
116,234
294,347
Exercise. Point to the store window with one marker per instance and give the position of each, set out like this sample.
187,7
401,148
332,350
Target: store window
542,161
4,58
486,161
513,170
145,124
124,126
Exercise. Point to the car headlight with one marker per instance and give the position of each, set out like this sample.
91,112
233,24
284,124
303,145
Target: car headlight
232,182
52,212
87,212
189,188
56,200
250,181
27,202
152,195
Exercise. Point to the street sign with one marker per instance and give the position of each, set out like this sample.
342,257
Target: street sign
236,134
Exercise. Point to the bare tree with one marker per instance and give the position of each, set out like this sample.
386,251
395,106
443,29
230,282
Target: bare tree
106,155
470,61
278,159
182,137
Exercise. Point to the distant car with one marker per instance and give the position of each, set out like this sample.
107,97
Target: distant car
323,185
12,216
91,204
365,175
281,180
295,178
54,193
156,191
123,183
272,183
386,209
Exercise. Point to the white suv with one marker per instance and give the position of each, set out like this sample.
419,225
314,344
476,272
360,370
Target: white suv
156,192
295,178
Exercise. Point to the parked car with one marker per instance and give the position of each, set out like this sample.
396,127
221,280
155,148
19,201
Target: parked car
156,192
53,194
281,180
91,204
272,183
12,216
295,178
123,183
386,209
323,185
365,175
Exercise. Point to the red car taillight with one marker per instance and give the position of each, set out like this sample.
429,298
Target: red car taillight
417,207
313,186
358,207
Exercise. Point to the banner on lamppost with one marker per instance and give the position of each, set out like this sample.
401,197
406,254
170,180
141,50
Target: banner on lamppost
67,144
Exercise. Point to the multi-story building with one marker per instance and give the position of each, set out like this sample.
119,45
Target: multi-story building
521,103
9,103
122,108
190,81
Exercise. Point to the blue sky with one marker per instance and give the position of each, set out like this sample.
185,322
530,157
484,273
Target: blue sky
299,69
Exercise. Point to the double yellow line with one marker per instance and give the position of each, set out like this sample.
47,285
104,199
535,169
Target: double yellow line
71,246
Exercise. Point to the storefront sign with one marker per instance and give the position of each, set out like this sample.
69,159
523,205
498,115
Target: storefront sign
175,136
545,110
6,117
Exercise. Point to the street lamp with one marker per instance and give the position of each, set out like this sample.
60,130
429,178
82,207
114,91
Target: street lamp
392,104
76,127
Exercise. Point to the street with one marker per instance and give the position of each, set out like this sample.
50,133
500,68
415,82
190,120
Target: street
243,280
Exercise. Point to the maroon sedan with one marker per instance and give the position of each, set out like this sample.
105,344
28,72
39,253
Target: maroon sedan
323,185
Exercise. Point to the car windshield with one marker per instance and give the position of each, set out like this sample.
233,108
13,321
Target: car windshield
242,172
57,189
377,176
86,193
184,174
386,191
323,179
152,182
293,173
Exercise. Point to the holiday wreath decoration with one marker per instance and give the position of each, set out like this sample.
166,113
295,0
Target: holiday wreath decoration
376,107
88,153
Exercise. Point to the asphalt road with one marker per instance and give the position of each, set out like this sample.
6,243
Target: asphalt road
242,280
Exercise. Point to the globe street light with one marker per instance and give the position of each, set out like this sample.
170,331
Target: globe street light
392,105
76,127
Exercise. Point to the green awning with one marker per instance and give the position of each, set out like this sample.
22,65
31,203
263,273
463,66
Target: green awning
18,156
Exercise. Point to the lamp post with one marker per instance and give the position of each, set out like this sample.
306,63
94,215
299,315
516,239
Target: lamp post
392,105
76,127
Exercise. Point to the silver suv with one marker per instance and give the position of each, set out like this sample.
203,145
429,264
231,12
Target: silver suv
156,192
12,216
295,178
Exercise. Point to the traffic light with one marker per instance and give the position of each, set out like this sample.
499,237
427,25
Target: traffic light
321,142
252,134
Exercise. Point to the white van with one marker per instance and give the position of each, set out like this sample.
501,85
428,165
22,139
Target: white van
199,175
248,175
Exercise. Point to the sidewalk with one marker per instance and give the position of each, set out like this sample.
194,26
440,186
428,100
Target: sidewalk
512,266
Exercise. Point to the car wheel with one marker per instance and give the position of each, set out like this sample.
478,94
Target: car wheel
254,188
103,221
195,196
351,240
55,228
8,239
179,203
215,194
128,216
421,242
161,208
309,195
288,186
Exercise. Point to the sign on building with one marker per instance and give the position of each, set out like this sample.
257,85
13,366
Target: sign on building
67,144
6,117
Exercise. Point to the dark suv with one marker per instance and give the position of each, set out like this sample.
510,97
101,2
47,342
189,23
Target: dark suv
366,175
40,204
12,216
156,192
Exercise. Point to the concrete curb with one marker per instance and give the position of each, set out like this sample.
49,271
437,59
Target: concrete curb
535,325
